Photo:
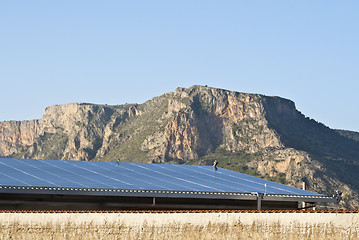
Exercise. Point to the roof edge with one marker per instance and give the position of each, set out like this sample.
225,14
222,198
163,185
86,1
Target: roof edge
164,194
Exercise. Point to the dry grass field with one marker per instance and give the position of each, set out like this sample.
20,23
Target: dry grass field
179,226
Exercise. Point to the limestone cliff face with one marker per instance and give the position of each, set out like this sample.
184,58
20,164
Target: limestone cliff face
251,133
74,131
15,134
201,119
183,125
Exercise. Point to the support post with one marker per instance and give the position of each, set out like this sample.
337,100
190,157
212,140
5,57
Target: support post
259,201
303,203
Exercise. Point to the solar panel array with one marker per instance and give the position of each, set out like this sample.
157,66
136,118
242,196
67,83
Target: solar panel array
137,176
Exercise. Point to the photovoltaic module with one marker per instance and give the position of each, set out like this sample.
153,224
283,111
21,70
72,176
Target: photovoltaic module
135,176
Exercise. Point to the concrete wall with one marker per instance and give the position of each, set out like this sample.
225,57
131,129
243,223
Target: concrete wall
179,226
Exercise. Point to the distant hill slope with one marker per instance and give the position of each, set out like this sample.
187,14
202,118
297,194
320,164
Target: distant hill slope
250,133
349,134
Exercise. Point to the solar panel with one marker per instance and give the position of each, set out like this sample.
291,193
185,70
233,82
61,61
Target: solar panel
135,176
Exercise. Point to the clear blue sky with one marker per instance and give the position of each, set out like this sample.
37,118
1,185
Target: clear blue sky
115,52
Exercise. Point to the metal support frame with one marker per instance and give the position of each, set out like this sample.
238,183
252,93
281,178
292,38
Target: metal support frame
165,194
259,201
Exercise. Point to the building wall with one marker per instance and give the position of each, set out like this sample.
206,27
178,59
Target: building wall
179,226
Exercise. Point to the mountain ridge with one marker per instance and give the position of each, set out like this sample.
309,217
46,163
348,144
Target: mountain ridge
251,133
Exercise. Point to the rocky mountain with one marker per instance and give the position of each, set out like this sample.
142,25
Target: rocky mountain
255,134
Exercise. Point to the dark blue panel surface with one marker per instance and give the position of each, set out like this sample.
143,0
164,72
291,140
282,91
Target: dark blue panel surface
137,176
